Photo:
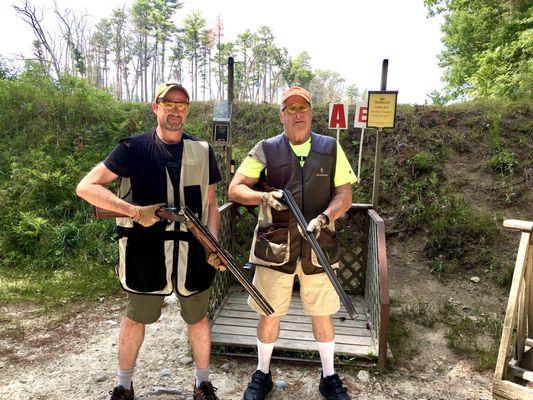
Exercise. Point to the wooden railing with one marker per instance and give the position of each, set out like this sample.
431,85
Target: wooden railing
377,285
514,367
363,264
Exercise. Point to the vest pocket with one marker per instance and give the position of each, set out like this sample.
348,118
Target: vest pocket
329,244
145,267
271,244
199,274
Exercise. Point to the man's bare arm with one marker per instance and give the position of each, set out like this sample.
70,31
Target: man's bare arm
340,203
92,189
213,217
240,190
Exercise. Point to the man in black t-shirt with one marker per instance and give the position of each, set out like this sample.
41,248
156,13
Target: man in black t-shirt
165,166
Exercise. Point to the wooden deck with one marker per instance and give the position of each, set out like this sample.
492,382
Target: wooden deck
235,325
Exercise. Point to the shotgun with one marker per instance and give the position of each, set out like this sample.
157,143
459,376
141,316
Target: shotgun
207,240
322,259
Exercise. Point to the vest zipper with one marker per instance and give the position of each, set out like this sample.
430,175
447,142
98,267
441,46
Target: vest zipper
302,186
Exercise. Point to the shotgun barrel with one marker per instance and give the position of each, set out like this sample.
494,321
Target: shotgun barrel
322,259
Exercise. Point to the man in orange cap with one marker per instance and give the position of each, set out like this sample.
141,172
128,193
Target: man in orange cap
315,169
157,258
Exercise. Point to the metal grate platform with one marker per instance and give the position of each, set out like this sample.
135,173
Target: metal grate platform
235,325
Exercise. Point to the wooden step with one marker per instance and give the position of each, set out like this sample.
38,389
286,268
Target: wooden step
520,372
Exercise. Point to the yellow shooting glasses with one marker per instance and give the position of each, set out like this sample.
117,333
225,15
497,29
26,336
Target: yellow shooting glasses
171,105
296,108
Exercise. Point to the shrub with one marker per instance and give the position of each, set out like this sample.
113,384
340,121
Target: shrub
458,236
504,162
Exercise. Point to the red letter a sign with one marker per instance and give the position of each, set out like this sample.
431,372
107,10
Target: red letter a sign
338,116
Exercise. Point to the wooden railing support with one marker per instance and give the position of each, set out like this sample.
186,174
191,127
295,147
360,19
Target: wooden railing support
518,324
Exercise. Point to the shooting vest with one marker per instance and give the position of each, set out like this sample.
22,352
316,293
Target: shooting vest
165,256
277,243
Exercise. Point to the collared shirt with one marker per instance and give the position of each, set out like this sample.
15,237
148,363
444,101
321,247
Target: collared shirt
251,167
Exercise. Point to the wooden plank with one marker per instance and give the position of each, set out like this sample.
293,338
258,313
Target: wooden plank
294,326
520,340
292,310
521,372
293,317
510,315
517,224
529,287
296,302
296,335
511,391
287,344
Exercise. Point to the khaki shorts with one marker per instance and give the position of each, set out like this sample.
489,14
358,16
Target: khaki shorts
318,295
146,309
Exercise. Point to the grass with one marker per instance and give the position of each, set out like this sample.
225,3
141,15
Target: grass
51,288
476,337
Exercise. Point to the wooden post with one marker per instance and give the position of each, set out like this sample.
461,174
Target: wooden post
229,145
229,155
379,141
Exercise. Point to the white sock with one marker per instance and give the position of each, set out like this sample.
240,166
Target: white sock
124,378
264,352
327,355
201,375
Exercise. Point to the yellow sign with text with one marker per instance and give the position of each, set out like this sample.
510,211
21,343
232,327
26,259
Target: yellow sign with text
381,109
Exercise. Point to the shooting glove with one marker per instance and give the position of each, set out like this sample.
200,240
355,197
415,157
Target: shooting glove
214,260
317,224
273,200
146,215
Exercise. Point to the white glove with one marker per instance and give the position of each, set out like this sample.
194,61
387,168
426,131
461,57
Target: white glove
317,224
272,199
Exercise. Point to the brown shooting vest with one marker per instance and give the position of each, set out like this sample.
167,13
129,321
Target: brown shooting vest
277,243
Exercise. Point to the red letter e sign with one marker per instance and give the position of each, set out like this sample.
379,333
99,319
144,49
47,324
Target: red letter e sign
338,116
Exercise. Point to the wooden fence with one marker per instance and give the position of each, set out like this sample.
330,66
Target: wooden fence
513,378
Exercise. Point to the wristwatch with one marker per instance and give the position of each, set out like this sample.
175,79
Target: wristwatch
326,218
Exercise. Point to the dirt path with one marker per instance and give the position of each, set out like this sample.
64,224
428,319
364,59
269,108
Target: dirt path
76,366
76,359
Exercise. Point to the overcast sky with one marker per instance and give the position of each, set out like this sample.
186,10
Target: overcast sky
351,37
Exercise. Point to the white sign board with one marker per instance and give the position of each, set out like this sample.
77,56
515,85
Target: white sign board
338,116
361,114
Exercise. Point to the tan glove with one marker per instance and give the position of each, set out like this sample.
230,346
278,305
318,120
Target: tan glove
146,215
272,199
214,260
317,224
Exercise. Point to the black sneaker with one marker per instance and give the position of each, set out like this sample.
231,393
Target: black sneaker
332,389
119,393
260,385
205,391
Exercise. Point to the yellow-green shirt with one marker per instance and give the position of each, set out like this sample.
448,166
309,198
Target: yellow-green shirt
344,174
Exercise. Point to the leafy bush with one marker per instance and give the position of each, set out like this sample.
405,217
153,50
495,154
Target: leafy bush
458,236
423,162
504,162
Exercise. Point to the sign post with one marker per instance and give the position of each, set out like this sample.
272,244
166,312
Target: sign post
381,114
361,114
338,117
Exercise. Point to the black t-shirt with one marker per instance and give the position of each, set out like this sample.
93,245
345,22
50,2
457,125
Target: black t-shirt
118,161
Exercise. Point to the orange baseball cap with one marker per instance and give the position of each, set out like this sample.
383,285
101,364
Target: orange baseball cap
296,91
163,89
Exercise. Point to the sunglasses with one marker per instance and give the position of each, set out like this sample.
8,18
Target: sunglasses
171,105
296,108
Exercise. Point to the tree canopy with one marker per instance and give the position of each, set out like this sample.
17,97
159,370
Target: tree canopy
489,48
